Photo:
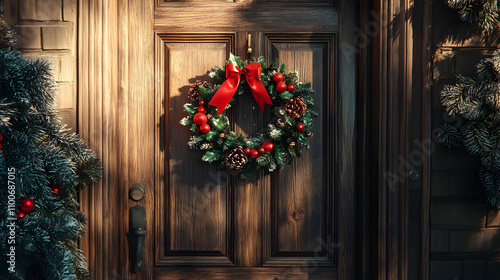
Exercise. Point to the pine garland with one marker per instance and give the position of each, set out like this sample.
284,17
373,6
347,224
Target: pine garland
477,102
483,13
49,164
288,141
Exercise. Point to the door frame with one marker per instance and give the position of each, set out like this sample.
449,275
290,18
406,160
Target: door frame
116,52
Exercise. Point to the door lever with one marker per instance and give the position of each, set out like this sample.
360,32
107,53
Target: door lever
138,230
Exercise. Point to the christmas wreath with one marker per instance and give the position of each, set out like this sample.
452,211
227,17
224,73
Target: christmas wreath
283,139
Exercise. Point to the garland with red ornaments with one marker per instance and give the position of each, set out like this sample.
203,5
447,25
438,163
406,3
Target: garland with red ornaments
281,141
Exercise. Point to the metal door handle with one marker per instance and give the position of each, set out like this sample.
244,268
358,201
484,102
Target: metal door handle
138,229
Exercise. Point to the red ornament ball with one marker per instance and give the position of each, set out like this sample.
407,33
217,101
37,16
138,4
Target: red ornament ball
300,127
268,147
56,190
1,137
278,77
202,110
291,88
200,119
261,150
247,151
21,215
26,205
254,153
281,87
204,128
201,102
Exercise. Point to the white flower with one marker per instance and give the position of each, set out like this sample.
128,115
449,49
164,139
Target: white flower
272,166
184,120
205,146
192,142
212,75
275,134
261,160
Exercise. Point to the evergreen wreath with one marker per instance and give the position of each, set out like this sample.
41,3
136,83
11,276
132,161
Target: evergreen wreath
477,102
282,139
481,12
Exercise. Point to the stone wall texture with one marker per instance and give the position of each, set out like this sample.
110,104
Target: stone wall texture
47,29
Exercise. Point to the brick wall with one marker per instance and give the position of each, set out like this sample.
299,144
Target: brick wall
465,230
47,29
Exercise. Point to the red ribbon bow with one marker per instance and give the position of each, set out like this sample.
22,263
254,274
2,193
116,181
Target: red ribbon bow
229,87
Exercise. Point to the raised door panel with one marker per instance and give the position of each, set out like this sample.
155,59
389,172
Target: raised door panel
196,206
302,194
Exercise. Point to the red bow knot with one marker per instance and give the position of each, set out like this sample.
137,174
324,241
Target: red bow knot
229,87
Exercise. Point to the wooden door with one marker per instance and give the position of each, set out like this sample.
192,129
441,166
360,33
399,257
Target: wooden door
293,224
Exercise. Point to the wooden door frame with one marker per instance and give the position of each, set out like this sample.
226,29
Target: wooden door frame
116,51
396,83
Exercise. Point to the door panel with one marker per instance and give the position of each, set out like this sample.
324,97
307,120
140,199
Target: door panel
302,193
197,212
301,188
196,195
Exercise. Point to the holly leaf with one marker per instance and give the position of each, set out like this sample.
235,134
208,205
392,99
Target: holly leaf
186,121
229,143
309,101
189,108
279,155
236,60
282,68
212,156
274,63
270,88
220,123
307,120
286,95
210,135
306,85
303,141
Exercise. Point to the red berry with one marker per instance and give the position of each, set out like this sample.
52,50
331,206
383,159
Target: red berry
247,151
26,205
201,102
254,153
55,190
0,146
204,128
261,150
269,147
300,127
278,77
20,215
1,137
202,110
281,87
291,88
200,118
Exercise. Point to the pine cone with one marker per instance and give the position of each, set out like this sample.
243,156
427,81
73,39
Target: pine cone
236,159
194,91
296,107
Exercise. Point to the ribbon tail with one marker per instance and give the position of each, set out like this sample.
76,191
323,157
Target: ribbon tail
259,92
225,93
